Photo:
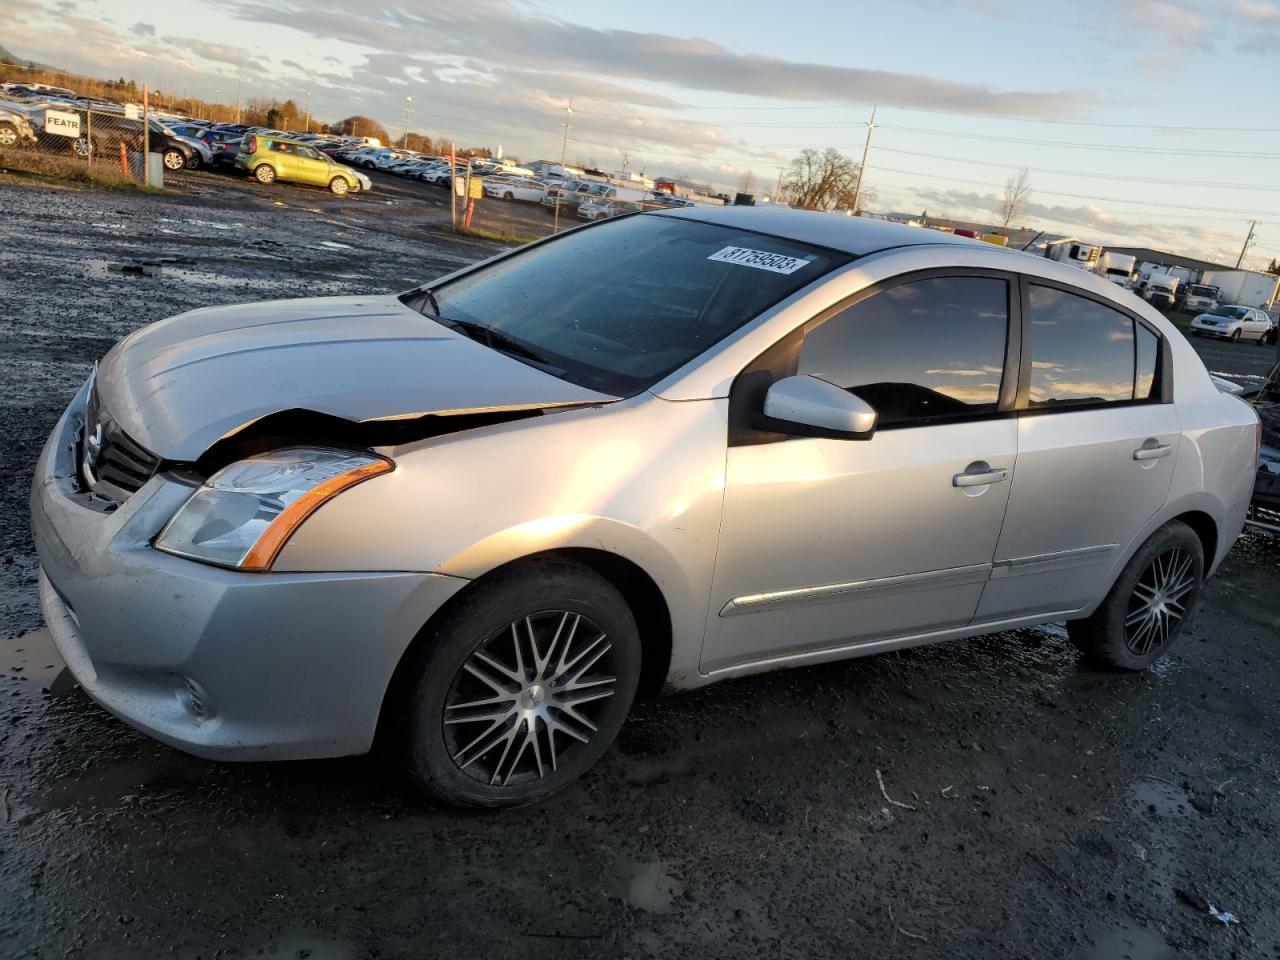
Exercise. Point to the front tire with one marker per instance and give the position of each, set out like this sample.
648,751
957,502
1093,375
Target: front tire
521,686
193,162
1235,335
264,173
1143,613
8,135
338,186
174,160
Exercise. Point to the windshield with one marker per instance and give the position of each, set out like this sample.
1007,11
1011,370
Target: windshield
1232,313
1204,291
618,306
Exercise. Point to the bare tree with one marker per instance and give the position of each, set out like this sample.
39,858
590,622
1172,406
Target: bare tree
821,180
747,183
1017,191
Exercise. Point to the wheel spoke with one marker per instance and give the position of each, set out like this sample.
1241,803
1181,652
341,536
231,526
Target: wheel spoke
1137,616
479,717
495,665
521,675
481,745
595,651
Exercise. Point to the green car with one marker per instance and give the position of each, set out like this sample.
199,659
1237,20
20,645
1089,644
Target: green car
277,158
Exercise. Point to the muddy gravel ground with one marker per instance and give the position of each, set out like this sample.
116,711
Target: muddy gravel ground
1031,807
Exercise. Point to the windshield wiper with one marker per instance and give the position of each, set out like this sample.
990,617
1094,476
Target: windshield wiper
496,340
431,298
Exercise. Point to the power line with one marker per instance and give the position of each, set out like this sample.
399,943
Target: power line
1077,196
1078,173
1122,148
846,104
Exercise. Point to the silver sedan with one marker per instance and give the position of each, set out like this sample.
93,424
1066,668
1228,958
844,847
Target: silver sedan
655,452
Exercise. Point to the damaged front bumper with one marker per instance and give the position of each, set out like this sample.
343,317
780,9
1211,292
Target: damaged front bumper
222,664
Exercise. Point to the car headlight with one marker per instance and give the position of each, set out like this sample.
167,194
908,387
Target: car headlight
246,512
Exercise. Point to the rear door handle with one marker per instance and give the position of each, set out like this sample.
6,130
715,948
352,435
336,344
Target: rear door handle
979,478
1152,451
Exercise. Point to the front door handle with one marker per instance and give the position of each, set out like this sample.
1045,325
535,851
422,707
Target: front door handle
979,478
1152,451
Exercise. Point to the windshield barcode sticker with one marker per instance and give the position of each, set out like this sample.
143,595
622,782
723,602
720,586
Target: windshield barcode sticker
760,259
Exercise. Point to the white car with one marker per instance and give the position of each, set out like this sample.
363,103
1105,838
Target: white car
1234,322
603,209
516,188
751,438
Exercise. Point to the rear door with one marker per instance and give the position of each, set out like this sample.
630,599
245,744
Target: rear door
1097,441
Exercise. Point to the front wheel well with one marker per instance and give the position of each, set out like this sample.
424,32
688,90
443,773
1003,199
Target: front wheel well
638,589
1206,529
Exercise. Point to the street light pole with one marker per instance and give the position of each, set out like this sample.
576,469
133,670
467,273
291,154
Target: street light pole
408,108
1248,242
862,170
308,130
564,153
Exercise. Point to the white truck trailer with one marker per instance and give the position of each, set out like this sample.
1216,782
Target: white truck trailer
1248,288
1117,267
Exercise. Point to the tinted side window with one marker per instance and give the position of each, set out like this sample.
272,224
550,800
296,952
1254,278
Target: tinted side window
1081,351
921,350
1148,349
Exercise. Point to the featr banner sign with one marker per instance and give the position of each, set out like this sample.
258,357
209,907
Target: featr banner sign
62,124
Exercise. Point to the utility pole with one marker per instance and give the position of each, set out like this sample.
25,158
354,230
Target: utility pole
777,195
308,130
564,153
1248,242
862,170
237,99
408,109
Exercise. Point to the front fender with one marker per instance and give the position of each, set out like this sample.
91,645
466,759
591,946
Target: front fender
641,479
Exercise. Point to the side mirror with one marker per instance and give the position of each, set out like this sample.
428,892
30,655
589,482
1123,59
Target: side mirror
806,406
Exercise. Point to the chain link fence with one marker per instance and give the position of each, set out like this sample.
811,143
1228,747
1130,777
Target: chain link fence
106,145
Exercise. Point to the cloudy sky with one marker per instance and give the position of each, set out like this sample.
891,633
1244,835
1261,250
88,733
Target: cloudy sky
1141,121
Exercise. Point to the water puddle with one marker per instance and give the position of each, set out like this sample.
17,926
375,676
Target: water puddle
180,269
647,886
1161,799
34,662
1131,943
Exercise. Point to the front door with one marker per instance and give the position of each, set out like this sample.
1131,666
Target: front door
1096,449
826,542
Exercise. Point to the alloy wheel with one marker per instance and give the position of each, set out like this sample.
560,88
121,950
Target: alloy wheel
1157,605
174,160
8,136
528,697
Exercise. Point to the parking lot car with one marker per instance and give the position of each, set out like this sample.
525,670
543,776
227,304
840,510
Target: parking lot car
1264,511
604,209
515,188
274,158
15,129
480,514
1234,322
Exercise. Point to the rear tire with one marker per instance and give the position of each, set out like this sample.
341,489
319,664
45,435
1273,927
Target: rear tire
264,173
1143,613
339,187
520,687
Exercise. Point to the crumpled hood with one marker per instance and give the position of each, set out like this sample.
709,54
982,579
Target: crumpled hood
181,384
